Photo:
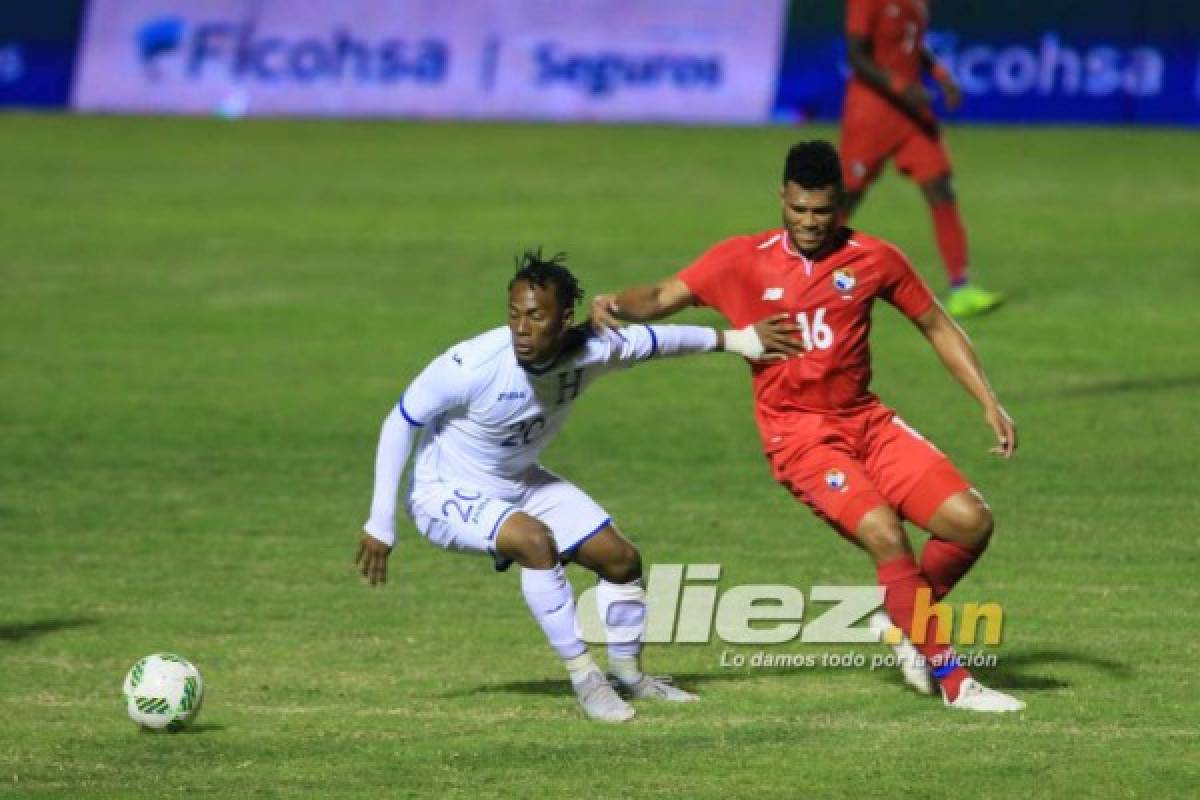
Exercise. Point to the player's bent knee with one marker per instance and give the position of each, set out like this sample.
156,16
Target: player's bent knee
611,556
982,524
966,518
882,535
528,542
626,566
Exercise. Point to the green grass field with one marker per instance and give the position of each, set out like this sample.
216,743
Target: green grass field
203,322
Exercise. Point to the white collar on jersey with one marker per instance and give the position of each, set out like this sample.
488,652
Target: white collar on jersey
785,243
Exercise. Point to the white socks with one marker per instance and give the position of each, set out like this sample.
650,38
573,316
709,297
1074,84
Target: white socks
548,595
622,607
580,667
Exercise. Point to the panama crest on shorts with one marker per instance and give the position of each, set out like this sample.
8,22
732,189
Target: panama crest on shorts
836,479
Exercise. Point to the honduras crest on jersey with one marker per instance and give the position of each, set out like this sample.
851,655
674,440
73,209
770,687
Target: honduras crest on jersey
835,479
844,280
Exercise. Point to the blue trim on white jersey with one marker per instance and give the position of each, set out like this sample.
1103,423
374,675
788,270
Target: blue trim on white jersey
411,421
569,553
502,563
533,369
653,341
500,521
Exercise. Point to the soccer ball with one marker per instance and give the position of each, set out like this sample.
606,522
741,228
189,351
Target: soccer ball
163,692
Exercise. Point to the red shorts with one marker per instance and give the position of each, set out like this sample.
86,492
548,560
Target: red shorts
844,465
869,138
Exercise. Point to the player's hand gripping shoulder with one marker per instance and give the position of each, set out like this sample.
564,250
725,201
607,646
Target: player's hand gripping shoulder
604,312
371,559
640,303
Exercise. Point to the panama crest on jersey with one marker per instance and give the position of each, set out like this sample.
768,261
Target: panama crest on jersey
835,479
844,280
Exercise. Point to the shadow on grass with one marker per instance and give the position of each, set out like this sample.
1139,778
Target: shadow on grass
20,631
684,680
200,727
1111,386
1012,671
190,730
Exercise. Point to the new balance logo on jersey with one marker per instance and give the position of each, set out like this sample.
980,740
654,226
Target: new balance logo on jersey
774,293
510,396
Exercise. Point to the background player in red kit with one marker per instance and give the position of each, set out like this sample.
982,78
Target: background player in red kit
829,440
887,114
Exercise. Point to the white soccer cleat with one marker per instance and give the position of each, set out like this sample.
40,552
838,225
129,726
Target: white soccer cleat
600,701
912,664
974,696
650,687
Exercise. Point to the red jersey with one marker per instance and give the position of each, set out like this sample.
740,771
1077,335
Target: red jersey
896,31
749,278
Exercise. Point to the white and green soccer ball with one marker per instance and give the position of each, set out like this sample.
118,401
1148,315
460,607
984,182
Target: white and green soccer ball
163,692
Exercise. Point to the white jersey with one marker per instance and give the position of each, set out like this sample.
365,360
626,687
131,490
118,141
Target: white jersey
485,419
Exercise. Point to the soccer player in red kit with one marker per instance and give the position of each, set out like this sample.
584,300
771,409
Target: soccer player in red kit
829,440
887,114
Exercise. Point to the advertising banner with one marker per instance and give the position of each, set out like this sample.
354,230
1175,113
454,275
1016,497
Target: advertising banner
1105,61
621,60
37,51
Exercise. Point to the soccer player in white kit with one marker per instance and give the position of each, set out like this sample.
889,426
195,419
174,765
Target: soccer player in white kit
480,414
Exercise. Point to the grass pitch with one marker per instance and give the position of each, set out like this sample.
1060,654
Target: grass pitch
204,322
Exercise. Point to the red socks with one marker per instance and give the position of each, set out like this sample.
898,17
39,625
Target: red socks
944,563
951,241
901,580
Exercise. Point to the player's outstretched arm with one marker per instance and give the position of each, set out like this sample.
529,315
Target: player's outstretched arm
769,339
641,303
959,357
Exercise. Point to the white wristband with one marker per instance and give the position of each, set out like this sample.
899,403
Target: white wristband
744,342
381,533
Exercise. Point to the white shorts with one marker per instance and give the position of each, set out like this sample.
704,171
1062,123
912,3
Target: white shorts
460,517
